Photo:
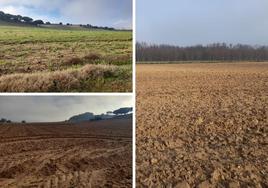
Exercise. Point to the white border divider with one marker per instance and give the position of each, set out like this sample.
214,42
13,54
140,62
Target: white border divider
134,91
67,94
132,94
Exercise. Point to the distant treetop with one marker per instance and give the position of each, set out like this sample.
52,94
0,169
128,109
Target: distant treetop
19,19
121,111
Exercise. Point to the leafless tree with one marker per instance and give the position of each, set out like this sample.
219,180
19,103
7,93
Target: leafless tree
212,52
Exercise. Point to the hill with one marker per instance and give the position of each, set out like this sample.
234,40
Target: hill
121,113
82,117
18,20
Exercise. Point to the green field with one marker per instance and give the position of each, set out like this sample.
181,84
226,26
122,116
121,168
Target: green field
36,59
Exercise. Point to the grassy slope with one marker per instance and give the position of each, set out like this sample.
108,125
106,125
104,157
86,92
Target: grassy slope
38,52
15,34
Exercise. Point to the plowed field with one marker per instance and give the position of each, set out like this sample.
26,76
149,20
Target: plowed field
94,154
202,125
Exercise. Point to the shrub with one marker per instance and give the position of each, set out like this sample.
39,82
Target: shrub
118,60
92,57
38,22
74,61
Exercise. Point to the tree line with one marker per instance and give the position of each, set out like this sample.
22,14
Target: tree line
4,121
27,20
19,19
211,52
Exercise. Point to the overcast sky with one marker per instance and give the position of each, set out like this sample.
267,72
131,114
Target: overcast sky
191,22
57,108
112,13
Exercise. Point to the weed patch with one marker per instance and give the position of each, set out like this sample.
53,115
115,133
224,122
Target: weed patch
87,78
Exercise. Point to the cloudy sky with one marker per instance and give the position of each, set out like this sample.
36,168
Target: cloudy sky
57,108
112,13
191,22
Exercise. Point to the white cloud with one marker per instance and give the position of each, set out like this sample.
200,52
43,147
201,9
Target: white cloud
16,10
123,24
44,4
95,12
98,12
11,10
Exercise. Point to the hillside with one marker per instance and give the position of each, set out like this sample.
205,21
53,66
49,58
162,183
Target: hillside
82,117
18,20
61,58
121,113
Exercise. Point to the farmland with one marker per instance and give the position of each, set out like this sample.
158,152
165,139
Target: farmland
202,125
90,154
35,59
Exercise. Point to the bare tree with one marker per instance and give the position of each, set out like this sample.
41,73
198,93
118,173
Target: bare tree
212,52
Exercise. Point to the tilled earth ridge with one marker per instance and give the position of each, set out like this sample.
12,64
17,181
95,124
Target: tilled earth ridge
95,154
202,125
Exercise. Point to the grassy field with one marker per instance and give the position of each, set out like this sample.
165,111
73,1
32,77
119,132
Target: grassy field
61,60
202,125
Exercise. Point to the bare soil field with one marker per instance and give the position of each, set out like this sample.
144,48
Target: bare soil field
202,125
94,154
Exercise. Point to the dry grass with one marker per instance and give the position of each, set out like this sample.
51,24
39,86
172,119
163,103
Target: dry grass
202,125
92,57
87,78
118,59
74,61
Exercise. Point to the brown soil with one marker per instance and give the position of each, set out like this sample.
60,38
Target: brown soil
202,125
94,154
